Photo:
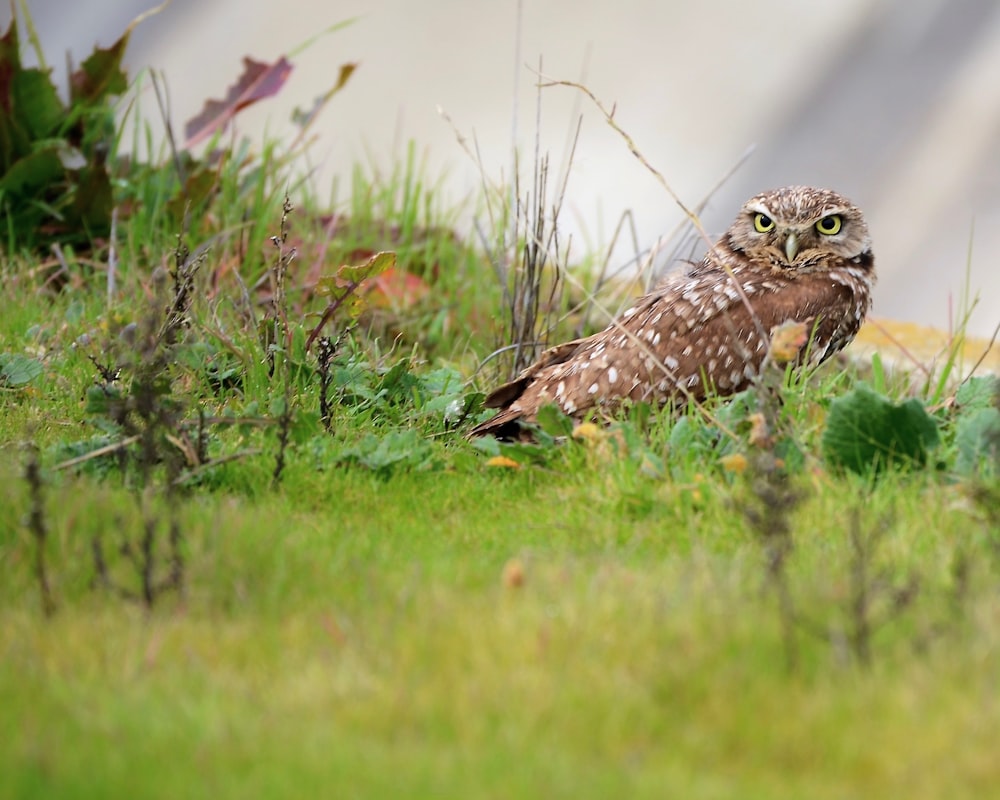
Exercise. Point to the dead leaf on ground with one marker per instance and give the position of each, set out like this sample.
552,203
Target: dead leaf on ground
502,461
787,341
513,574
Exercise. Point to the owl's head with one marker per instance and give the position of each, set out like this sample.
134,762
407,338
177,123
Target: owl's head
801,228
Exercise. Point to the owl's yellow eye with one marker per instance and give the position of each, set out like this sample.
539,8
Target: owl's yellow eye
830,225
763,223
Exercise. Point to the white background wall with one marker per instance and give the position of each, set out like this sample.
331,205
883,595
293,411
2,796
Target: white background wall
893,102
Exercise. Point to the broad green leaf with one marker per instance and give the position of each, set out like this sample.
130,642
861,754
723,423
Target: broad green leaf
99,466
977,438
442,380
305,425
553,422
349,277
865,432
98,399
398,383
406,449
277,407
100,75
33,172
342,288
979,391
36,103
487,445
53,181
18,370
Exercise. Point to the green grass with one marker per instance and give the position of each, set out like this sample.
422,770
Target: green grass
355,629
360,635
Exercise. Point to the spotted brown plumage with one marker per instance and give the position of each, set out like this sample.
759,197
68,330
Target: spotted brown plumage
798,254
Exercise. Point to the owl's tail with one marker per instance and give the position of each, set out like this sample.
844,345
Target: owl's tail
506,426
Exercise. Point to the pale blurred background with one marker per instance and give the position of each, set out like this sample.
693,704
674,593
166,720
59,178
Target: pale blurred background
895,103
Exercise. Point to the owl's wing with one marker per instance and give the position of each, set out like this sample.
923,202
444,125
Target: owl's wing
692,334
505,394
506,424
521,398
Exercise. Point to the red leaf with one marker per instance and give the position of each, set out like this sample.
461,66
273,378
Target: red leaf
395,288
10,63
258,81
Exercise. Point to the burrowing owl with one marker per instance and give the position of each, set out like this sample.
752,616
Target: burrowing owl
798,254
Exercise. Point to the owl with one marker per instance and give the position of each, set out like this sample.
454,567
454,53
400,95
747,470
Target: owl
795,254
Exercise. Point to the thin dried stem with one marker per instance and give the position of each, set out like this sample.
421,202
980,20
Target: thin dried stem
609,117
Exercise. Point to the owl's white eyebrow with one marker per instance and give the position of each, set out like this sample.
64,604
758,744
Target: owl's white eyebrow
759,208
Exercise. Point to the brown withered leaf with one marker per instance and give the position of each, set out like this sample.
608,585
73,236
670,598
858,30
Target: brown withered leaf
513,573
760,432
787,341
734,462
304,119
258,81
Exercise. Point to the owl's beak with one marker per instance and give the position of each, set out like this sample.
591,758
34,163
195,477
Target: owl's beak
791,246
